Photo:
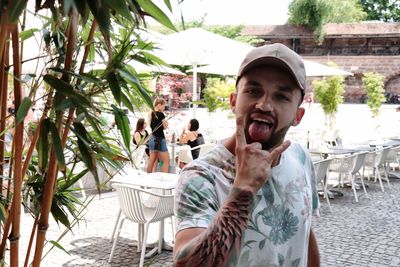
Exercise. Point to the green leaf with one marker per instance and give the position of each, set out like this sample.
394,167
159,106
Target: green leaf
24,35
126,102
16,9
168,4
3,213
57,245
57,146
156,13
84,76
23,109
59,215
114,85
133,80
120,7
122,122
68,4
101,14
58,84
43,145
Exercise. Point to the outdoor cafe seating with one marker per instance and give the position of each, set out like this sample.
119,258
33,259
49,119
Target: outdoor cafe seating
143,207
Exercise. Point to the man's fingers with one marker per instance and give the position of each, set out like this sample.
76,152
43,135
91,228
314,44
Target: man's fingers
279,149
240,136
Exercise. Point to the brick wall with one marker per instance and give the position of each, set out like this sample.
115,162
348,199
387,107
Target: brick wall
389,66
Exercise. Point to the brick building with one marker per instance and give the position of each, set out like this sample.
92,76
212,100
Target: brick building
354,47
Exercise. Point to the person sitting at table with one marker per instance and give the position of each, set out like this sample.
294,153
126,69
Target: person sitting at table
140,137
192,137
157,143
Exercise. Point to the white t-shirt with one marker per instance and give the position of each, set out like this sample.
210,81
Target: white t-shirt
280,220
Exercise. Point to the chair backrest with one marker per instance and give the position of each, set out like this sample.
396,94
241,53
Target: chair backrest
205,148
372,158
321,168
185,155
137,155
132,202
359,162
385,152
343,164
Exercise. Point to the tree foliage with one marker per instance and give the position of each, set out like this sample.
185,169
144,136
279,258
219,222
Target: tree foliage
316,13
383,10
216,94
329,93
374,88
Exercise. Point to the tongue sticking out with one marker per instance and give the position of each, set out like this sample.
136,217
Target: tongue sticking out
258,130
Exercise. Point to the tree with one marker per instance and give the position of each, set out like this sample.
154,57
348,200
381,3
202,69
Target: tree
69,131
383,10
216,94
373,85
316,13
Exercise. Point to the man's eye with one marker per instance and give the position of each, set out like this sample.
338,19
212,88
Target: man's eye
253,91
283,97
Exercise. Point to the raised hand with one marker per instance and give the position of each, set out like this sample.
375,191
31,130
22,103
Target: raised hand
253,163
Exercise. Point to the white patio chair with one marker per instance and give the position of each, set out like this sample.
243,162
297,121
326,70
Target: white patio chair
393,158
321,168
185,154
205,148
350,166
142,207
138,157
376,161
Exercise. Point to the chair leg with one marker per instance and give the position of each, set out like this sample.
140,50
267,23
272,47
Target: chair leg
377,174
353,186
116,239
140,236
146,231
115,225
173,229
326,195
386,175
363,185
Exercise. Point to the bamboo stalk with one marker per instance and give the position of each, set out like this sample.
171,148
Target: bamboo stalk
3,112
81,70
3,30
28,250
52,170
6,230
18,137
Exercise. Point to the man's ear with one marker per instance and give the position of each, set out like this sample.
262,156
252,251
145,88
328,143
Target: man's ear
232,101
299,116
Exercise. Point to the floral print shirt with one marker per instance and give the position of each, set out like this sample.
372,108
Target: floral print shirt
280,220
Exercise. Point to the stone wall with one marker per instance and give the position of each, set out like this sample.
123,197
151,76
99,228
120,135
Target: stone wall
389,66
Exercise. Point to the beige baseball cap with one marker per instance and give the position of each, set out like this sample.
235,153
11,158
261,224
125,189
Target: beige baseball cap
277,55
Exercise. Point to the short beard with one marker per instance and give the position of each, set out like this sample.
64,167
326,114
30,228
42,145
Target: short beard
275,139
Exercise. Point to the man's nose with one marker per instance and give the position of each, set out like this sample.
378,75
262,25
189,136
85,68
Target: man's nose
265,103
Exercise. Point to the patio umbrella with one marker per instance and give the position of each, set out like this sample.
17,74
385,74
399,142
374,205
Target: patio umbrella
231,67
196,47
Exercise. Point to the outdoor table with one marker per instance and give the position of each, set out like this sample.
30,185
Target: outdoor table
156,180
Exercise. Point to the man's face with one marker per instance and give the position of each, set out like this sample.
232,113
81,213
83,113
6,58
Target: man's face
268,100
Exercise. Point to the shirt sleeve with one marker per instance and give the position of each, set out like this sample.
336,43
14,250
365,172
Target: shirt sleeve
315,198
196,201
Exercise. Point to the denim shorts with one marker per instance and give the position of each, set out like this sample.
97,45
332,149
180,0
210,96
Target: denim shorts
157,144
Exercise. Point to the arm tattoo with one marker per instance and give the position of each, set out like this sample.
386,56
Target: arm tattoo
215,245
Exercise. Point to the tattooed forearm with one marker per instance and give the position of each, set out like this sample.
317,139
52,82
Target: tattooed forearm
213,247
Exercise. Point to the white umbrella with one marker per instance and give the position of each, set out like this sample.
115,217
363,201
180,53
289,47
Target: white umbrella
231,67
195,47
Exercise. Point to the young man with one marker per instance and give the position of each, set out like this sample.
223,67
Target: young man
249,201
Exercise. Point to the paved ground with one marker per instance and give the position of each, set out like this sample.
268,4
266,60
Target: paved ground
354,234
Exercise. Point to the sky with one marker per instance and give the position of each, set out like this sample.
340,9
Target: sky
233,12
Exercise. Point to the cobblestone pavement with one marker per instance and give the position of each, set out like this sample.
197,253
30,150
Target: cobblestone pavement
366,233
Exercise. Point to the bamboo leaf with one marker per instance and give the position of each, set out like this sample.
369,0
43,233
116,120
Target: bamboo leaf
122,122
114,85
16,9
156,13
57,245
58,84
126,102
168,4
24,35
59,215
120,7
43,145
101,14
83,76
133,80
3,213
57,146
23,109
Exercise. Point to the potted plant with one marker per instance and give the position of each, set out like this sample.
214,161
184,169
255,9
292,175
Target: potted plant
329,93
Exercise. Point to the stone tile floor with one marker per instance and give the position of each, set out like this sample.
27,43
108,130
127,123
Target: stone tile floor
366,233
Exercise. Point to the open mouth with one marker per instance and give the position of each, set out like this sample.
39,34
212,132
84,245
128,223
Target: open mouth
260,128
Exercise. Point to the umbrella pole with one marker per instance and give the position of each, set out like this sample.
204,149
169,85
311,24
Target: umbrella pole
194,96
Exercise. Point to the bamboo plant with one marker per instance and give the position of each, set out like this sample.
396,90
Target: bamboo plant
43,168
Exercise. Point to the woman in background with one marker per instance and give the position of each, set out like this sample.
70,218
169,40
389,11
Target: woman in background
141,134
157,144
192,137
